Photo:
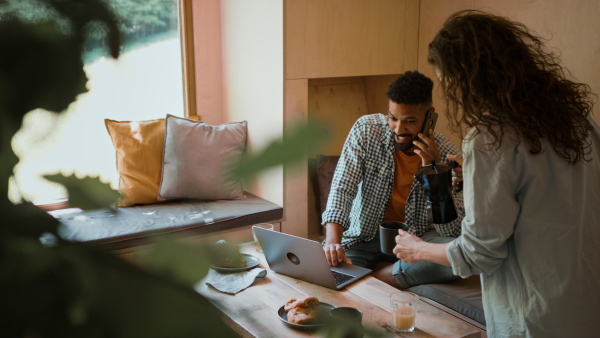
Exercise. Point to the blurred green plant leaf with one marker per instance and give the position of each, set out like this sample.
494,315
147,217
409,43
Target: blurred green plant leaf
332,329
180,261
87,193
302,140
186,263
74,290
81,13
55,288
27,220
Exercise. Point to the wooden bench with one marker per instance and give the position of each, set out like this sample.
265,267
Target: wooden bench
130,230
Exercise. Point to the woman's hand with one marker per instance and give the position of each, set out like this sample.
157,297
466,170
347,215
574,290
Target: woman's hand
457,175
427,149
407,247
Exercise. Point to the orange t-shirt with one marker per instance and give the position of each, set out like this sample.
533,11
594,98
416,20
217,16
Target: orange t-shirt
405,168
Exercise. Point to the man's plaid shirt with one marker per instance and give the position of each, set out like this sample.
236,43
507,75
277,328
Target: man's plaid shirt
362,185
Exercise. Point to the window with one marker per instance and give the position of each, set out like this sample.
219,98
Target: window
146,82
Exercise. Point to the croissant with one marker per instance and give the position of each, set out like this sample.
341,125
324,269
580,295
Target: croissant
302,309
302,315
301,302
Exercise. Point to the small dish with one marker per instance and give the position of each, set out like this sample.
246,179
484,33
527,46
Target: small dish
251,262
318,323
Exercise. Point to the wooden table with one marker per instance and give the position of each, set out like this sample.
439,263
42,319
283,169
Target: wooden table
253,312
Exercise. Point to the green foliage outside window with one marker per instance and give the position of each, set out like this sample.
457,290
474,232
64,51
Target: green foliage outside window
138,21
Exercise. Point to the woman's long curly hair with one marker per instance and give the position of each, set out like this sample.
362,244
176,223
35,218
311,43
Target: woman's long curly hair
498,74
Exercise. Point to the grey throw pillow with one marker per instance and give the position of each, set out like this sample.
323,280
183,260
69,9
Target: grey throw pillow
199,159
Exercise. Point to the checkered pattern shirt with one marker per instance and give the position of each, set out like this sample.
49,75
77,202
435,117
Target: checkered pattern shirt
362,185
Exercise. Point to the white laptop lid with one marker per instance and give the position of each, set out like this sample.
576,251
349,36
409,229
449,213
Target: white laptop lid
303,259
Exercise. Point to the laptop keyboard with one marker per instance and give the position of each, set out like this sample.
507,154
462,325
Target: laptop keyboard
341,278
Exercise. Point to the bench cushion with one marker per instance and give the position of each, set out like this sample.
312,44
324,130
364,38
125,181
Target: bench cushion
137,225
460,295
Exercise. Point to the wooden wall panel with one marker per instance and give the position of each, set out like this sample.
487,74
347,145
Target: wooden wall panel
376,88
572,27
295,203
337,102
411,36
334,38
338,106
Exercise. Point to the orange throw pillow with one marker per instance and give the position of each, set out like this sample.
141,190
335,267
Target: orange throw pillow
139,150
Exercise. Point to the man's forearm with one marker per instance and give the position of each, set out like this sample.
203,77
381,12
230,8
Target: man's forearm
333,233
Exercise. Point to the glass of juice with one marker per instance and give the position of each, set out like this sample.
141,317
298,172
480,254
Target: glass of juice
404,310
260,225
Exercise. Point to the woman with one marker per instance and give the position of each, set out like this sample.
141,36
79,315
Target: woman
531,180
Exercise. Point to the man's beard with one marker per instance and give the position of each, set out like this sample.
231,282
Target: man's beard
402,146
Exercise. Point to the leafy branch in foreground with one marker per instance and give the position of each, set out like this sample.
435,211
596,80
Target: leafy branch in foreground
86,193
302,139
51,287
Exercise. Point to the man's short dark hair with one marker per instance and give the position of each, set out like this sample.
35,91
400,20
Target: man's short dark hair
411,88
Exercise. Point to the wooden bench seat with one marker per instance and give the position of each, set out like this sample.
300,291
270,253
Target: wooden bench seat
134,227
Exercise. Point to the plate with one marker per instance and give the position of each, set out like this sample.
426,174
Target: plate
251,262
318,323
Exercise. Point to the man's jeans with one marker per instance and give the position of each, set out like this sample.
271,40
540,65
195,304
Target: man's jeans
367,254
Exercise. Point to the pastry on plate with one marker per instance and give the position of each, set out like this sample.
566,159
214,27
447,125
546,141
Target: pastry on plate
301,302
303,315
302,310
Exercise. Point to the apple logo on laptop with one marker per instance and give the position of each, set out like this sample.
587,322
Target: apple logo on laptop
293,258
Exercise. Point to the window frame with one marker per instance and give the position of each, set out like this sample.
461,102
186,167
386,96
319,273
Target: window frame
186,28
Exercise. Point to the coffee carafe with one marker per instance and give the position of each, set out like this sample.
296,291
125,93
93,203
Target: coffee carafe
437,183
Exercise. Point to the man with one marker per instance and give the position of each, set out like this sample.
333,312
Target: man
374,182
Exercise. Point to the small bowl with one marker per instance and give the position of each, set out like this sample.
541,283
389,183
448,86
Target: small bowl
346,322
349,314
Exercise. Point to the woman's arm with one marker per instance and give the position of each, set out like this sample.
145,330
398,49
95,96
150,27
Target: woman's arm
412,249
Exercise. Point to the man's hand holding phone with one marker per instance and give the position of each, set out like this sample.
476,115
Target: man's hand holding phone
427,148
425,142
429,123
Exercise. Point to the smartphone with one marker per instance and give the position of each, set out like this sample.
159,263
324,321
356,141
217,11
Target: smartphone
430,121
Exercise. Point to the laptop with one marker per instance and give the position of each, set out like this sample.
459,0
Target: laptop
305,259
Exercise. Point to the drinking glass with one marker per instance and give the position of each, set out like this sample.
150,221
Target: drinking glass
260,225
404,310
